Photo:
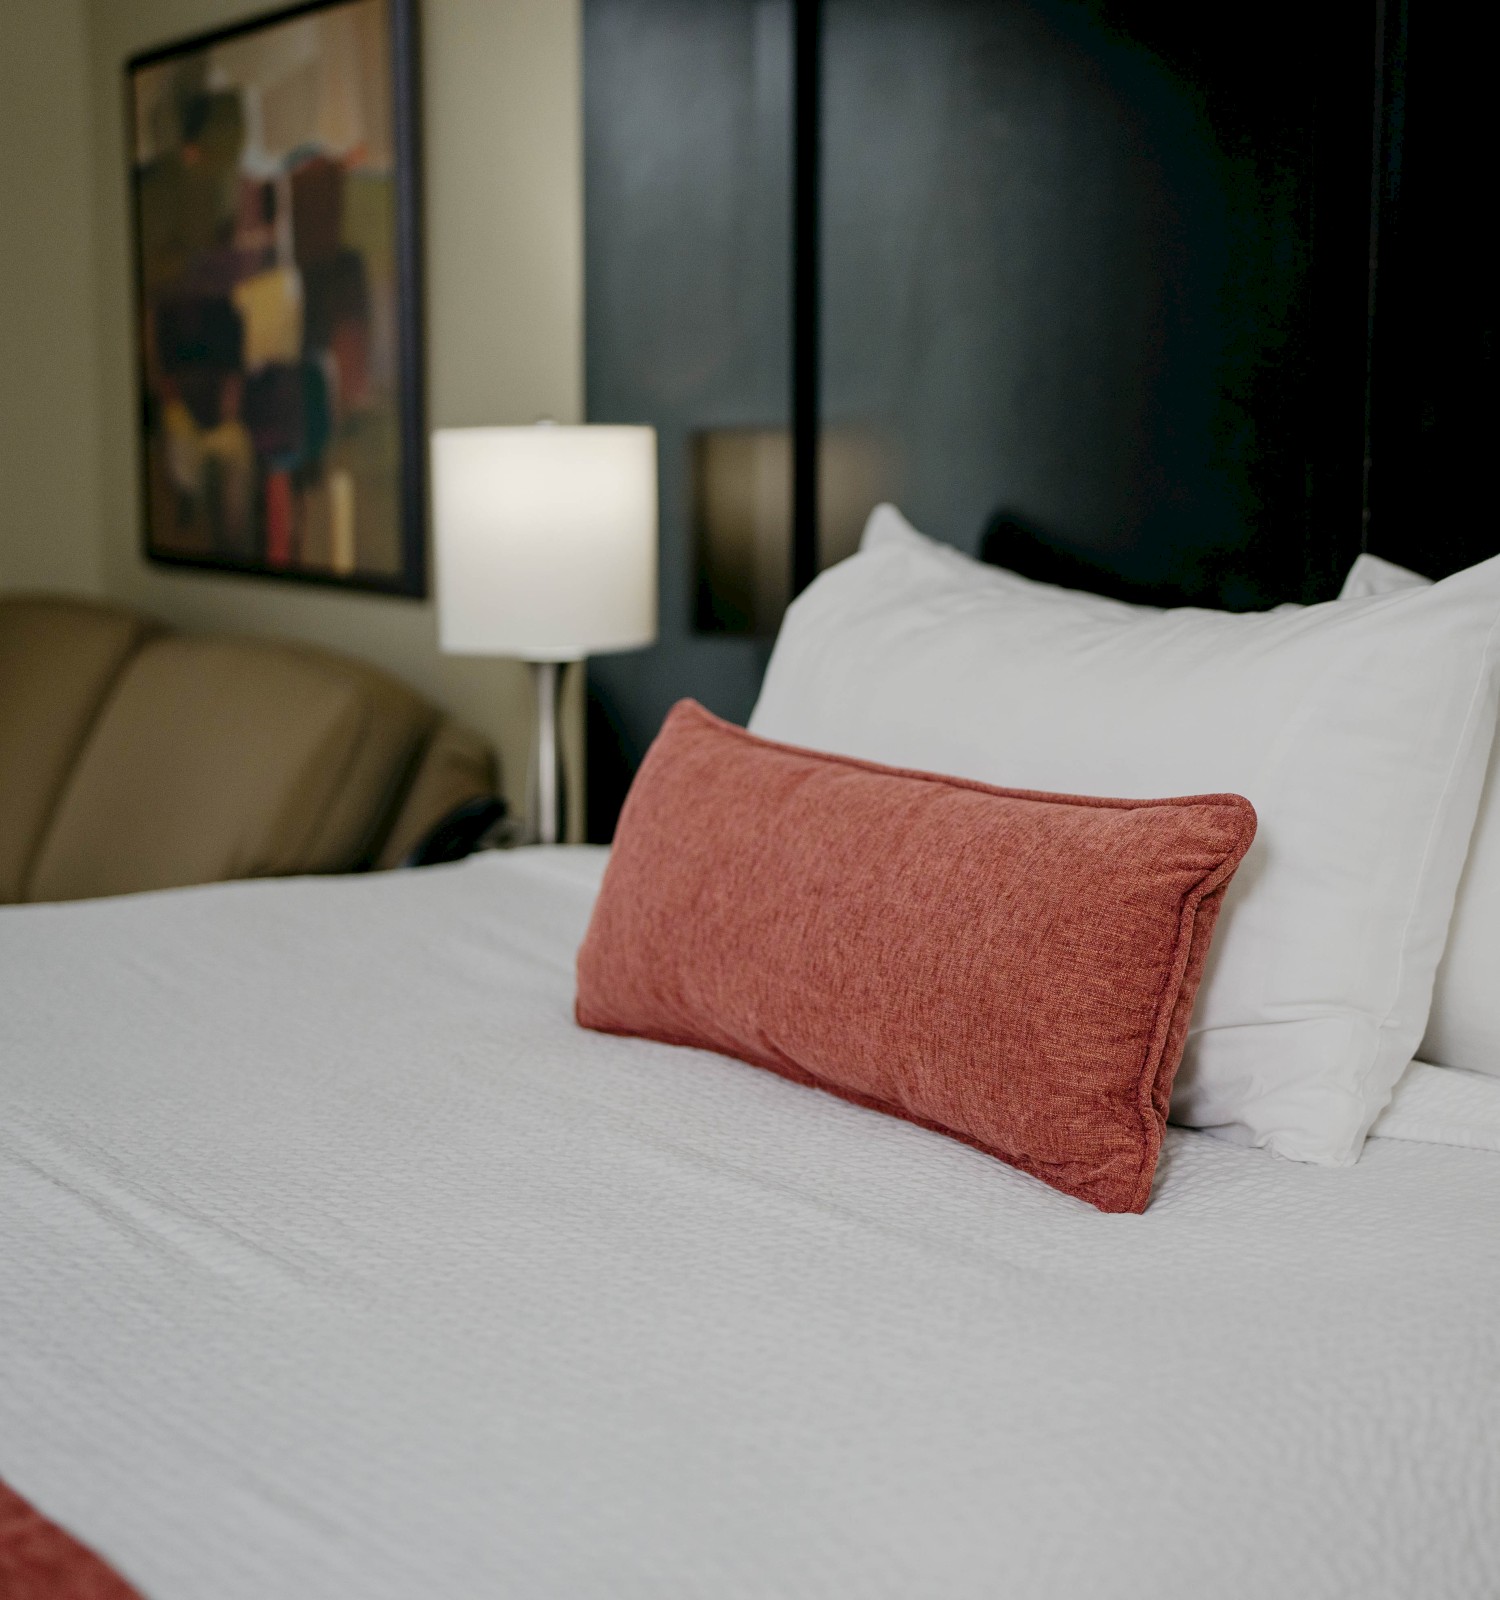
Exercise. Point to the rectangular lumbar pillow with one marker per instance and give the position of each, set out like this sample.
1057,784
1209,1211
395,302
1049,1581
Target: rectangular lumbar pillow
1359,729
1014,969
1463,1029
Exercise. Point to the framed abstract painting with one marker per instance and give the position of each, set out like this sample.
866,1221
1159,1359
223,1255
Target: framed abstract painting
274,183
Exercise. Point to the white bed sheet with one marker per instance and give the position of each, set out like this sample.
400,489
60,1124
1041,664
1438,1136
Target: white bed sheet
336,1262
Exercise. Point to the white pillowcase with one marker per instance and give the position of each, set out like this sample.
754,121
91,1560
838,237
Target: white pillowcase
1373,575
1360,730
1463,1029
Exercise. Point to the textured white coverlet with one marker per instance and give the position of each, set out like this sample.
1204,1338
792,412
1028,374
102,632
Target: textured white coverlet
336,1262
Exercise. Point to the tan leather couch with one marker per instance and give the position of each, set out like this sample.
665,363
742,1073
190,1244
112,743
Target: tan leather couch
133,757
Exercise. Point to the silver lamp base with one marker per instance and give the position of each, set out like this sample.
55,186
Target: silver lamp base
544,785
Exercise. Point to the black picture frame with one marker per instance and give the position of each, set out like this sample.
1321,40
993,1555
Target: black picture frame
409,577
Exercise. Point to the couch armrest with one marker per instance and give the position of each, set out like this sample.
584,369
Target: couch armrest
457,765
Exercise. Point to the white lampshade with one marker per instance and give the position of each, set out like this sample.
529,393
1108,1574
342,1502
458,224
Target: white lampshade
546,540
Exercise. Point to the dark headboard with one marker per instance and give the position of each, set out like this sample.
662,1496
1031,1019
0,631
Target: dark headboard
1182,304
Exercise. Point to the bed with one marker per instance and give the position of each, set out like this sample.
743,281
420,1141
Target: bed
338,1261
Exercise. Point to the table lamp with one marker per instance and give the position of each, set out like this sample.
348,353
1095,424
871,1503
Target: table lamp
546,551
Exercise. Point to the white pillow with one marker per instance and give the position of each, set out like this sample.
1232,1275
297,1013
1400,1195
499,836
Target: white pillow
1463,1029
1360,730
1372,575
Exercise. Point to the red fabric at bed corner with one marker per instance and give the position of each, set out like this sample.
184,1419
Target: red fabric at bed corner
1011,968
38,1561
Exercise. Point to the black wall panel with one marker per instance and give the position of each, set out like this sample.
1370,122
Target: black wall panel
687,107
1068,273
1435,394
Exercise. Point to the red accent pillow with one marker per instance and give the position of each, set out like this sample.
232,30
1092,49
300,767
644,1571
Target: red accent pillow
39,1561
1014,969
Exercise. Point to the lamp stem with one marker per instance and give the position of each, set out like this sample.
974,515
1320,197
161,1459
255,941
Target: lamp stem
544,791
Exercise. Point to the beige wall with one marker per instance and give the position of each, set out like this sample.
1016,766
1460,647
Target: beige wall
49,477
504,263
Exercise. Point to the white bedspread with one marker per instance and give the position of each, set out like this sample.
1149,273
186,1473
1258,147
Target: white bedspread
335,1262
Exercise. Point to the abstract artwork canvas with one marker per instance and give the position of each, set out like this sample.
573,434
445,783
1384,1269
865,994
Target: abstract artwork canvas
274,183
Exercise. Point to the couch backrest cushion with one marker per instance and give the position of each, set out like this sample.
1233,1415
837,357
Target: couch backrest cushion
58,662
231,758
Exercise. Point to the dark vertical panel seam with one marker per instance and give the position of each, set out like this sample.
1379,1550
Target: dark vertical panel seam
1385,158
807,50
